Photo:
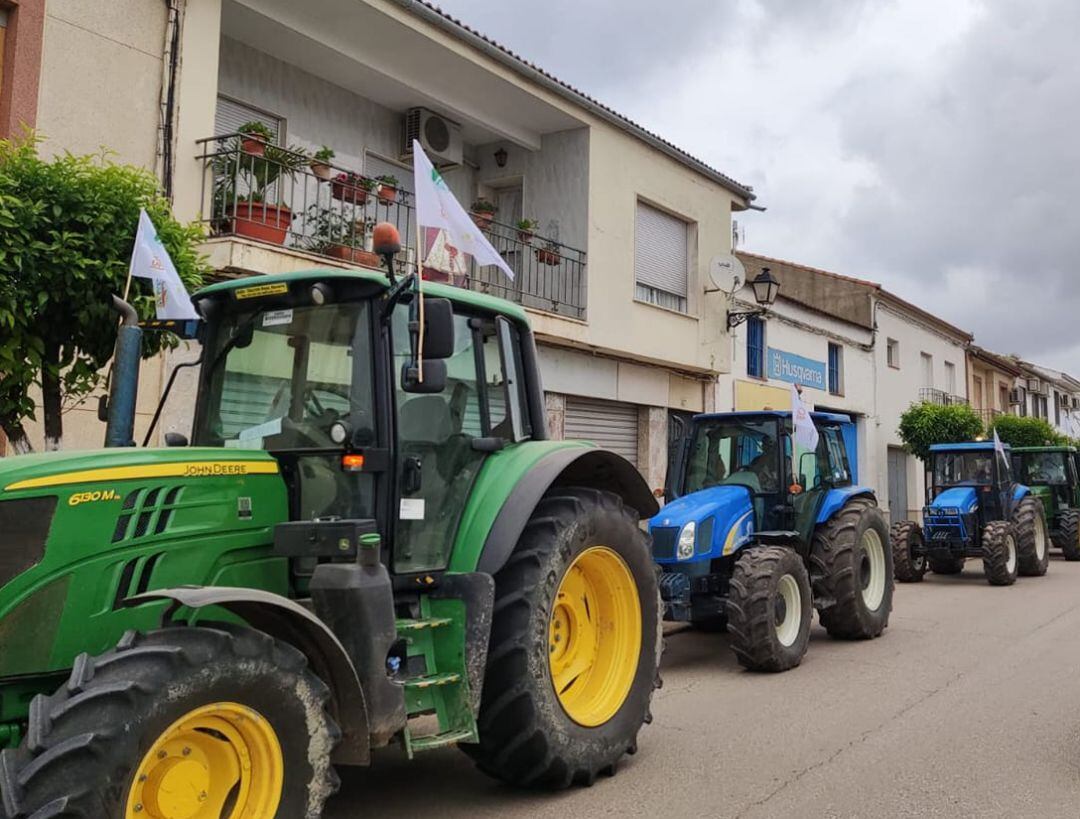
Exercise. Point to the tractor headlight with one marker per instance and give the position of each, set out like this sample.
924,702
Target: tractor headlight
685,550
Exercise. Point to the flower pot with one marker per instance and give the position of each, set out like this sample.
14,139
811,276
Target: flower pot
525,236
259,220
386,193
357,255
321,170
482,218
253,146
347,192
547,256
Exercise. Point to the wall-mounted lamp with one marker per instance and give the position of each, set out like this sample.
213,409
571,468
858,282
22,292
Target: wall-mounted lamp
500,157
765,288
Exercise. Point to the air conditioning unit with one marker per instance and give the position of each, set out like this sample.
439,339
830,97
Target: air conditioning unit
1016,395
439,137
1033,385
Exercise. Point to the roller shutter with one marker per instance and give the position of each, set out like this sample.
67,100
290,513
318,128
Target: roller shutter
230,115
612,425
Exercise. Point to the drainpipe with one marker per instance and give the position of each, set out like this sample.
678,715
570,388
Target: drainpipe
120,426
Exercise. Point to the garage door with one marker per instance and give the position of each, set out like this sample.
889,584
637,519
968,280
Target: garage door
612,425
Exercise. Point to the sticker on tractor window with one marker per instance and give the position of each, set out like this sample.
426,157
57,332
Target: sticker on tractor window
262,290
411,509
274,317
260,431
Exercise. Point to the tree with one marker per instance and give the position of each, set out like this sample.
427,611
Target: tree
67,228
1016,431
925,424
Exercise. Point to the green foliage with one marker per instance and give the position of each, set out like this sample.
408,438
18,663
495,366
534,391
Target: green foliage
324,154
1016,431
387,180
527,224
258,130
483,206
925,424
67,229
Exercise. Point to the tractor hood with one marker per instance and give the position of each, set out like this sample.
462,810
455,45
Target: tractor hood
963,498
723,517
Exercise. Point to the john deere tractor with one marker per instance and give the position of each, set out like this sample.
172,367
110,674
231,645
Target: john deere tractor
974,509
1051,473
752,538
369,540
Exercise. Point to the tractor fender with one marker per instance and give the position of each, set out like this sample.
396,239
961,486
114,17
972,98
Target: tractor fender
288,621
836,498
1019,493
592,467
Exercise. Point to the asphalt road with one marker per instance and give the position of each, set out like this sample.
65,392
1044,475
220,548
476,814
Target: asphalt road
969,705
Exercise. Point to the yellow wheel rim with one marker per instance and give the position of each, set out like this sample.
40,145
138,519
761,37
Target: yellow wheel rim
221,761
594,636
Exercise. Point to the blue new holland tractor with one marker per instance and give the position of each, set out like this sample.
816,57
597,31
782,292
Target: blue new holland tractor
974,509
751,538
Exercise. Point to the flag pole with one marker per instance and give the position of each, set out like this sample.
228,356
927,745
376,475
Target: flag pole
420,296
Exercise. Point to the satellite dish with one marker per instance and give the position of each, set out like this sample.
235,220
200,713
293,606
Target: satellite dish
727,272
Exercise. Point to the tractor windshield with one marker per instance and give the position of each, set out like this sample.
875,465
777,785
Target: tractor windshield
735,452
1042,468
964,468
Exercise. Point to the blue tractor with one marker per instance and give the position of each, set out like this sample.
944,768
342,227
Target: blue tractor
751,538
974,509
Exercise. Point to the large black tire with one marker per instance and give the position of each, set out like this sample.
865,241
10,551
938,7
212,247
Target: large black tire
527,738
851,564
1000,561
906,536
85,743
1068,537
762,636
948,565
1032,541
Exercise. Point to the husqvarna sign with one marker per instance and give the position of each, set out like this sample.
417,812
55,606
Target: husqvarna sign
784,366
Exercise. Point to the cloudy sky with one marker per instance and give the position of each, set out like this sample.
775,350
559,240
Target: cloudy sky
932,146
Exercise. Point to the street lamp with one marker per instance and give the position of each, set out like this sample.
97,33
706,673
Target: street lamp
765,288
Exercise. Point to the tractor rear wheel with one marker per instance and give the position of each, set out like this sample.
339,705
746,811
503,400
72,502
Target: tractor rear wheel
575,645
906,538
1068,539
948,565
770,608
999,553
1032,543
209,722
851,564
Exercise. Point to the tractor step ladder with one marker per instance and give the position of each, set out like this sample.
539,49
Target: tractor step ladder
442,688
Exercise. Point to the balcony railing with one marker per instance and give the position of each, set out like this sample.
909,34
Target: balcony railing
280,196
930,395
988,415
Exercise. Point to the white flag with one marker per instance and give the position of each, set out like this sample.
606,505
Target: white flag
150,260
436,207
806,434
998,446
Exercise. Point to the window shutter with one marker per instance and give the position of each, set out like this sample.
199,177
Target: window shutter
230,115
755,347
660,251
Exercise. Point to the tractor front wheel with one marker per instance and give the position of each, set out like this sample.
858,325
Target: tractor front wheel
999,553
575,645
1032,543
851,564
1068,539
909,564
770,608
182,722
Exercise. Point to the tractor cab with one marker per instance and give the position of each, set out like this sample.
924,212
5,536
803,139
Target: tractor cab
970,485
1051,473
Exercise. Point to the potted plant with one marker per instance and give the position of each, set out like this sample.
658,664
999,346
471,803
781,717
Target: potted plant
331,233
483,212
386,188
254,137
526,229
241,190
548,254
320,163
351,187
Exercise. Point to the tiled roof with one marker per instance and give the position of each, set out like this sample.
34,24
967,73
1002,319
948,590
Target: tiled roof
516,61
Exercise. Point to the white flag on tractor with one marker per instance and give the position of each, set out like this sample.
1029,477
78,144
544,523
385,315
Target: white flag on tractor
150,260
806,434
436,207
998,446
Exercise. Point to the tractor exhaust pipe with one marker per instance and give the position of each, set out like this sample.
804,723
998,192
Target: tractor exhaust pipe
120,425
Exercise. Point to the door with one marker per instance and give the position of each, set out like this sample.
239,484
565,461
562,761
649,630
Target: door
610,424
898,502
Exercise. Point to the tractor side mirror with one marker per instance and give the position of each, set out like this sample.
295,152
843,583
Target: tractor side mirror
175,439
438,329
434,376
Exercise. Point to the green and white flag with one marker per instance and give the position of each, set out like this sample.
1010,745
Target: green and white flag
150,260
436,207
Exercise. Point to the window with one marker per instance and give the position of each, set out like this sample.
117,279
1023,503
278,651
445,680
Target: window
836,369
927,369
892,352
1057,409
976,392
231,114
950,378
1039,407
661,258
755,347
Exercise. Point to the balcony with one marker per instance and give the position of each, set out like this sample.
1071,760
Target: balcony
280,196
929,395
988,415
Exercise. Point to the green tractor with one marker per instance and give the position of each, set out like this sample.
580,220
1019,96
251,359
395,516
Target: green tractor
1051,474
367,541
